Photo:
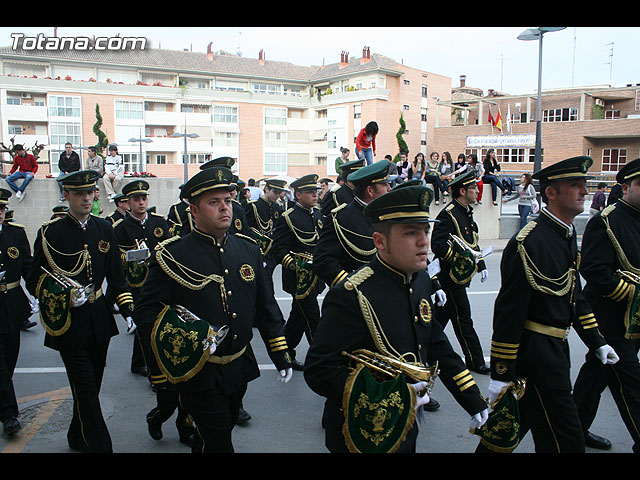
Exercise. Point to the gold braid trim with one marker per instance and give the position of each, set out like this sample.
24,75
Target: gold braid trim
622,258
346,244
199,281
84,259
565,283
264,226
473,245
310,241
371,319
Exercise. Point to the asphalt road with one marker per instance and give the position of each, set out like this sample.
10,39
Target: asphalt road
285,417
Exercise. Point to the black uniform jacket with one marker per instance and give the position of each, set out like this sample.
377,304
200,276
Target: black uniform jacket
602,254
550,254
239,222
176,275
404,311
91,323
335,198
345,243
115,216
179,219
262,215
457,220
297,231
15,260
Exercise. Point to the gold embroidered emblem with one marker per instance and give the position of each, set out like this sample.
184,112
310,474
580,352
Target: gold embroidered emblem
140,186
238,224
276,214
103,246
13,252
320,224
425,310
501,367
158,232
219,174
246,273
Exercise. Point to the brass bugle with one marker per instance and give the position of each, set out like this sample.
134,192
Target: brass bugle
463,244
188,316
66,282
629,276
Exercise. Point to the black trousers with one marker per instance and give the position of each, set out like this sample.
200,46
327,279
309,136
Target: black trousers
214,415
303,320
9,349
85,368
458,311
552,417
623,380
167,403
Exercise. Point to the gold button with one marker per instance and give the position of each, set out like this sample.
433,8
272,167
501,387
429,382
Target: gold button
226,271
410,290
234,315
235,337
221,250
415,319
229,293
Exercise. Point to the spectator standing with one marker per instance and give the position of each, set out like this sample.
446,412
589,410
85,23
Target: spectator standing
113,172
255,191
491,166
479,171
599,200
24,167
342,159
366,142
68,162
526,195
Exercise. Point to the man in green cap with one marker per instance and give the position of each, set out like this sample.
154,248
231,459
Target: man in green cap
539,300
294,243
610,266
455,244
84,249
341,193
121,202
385,308
219,278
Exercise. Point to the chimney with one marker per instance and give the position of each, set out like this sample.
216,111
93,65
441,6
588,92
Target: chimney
344,59
366,55
210,51
463,79
261,57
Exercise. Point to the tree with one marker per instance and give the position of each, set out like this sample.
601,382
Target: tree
402,145
103,142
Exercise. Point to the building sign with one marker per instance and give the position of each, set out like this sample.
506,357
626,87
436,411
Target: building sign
501,141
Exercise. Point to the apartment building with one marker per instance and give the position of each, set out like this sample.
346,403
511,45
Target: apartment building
600,121
275,118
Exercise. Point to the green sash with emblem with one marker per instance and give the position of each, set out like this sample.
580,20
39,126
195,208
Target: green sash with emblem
501,432
263,241
136,273
306,277
181,347
463,264
55,305
632,313
378,414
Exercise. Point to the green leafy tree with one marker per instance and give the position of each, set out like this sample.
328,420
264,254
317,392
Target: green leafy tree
402,145
103,141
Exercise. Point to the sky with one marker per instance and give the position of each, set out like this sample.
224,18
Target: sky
490,57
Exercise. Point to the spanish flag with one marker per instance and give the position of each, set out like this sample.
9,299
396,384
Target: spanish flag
498,123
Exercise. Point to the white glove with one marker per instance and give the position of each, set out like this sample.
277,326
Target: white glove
441,297
130,325
285,375
607,355
479,419
35,306
78,298
495,388
484,274
420,401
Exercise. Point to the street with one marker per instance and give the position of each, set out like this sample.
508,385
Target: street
285,417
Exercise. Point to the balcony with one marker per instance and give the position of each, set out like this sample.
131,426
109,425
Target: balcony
25,113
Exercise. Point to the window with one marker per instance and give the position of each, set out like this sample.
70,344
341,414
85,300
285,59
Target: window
424,91
229,86
518,118
13,100
276,116
128,110
613,159
611,114
130,161
423,114
225,114
407,82
63,132
64,106
268,88
532,155
275,163
160,159
15,129
560,115
225,139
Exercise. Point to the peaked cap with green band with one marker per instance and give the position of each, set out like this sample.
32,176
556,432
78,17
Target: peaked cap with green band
377,172
80,180
219,162
402,205
137,187
629,171
575,167
211,178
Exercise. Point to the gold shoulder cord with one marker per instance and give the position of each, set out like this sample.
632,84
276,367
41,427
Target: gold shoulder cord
198,280
350,246
371,319
84,259
310,241
622,258
473,245
565,283
264,226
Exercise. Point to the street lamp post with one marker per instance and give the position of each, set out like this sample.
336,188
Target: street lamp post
537,34
185,158
140,141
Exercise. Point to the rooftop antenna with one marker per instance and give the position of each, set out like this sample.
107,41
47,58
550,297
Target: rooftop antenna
610,63
239,52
